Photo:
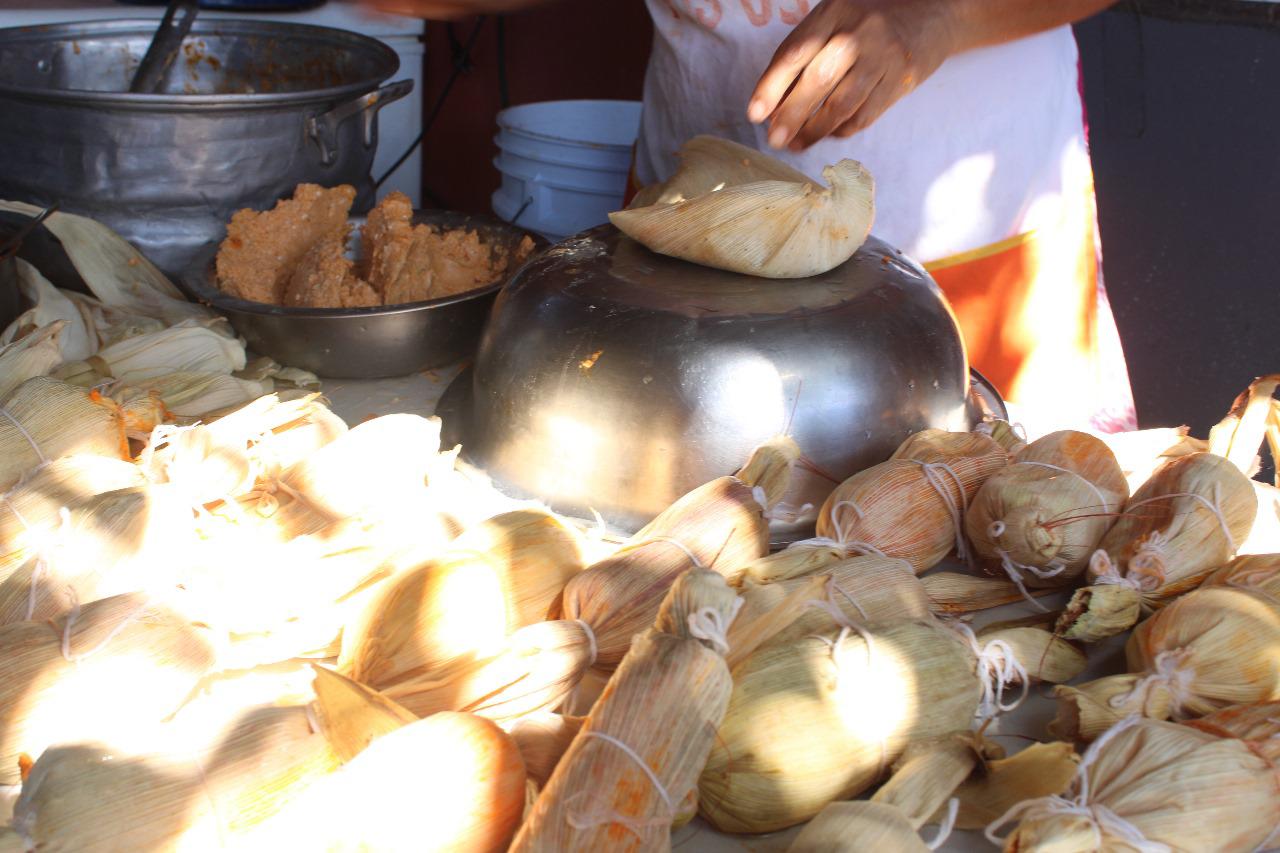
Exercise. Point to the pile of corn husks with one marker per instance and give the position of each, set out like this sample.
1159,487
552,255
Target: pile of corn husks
268,630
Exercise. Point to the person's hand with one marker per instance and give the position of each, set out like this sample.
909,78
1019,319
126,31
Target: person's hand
845,64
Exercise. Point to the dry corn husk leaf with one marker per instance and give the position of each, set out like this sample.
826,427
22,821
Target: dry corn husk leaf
927,774
709,164
857,826
49,306
1097,612
1040,520
457,784
88,796
1153,783
638,755
111,673
958,592
1040,770
719,525
116,272
1012,437
188,395
188,346
113,543
1141,452
380,463
543,740
1257,723
1238,435
36,354
351,715
770,228
911,506
31,511
44,419
111,324
769,469
1211,648
462,606
1258,573
1185,521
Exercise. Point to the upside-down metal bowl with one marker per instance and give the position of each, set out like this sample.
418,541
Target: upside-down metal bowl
612,379
367,343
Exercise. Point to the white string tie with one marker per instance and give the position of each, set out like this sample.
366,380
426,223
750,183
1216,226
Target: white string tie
1105,822
710,624
931,474
1167,673
842,541
1212,505
23,430
580,819
947,826
75,615
1105,572
667,540
997,668
591,639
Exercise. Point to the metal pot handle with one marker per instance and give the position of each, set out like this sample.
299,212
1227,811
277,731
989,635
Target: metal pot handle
323,128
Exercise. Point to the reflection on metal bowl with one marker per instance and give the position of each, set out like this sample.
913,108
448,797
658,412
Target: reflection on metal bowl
613,380
366,343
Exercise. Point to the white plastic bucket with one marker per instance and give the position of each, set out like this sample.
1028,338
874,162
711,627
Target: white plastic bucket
564,164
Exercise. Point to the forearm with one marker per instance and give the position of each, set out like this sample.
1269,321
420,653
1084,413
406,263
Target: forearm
981,23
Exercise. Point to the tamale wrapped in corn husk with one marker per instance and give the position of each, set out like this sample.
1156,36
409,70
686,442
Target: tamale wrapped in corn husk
912,506
36,354
87,796
451,782
719,525
849,827
113,543
800,559
1149,785
1185,521
822,719
1258,573
108,672
1012,437
1040,519
543,740
960,592
501,576
185,396
998,783
31,511
380,463
708,163
1257,723
638,755
1215,647
188,345
44,419
769,469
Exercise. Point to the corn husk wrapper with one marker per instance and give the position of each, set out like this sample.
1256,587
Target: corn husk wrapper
1257,573
960,592
460,787
44,419
708,164
380,463
1154,783
806,727
463,605
352,716
998,783
801,559
1095,613
31,511
49,307
117,273
189,346
1185,521
36,354
189,395
770,228
769,469
1212,648
855,826
1141,452
113,543
543,740
638,755
1012,437
910,506
113,324
88,796
1257,723
1264,538
110,674
1040,520
719,525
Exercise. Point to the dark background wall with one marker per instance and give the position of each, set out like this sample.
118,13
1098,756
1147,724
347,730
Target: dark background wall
1184,105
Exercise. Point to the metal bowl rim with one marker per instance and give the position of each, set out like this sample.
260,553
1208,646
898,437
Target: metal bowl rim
233,26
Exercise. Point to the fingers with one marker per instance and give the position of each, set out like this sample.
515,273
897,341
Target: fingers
792,56
818,80
883,96
840,106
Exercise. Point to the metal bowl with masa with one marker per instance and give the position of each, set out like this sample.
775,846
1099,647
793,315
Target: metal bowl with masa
368,343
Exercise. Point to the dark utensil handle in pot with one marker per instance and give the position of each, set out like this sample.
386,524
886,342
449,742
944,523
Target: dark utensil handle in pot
164,47
323,128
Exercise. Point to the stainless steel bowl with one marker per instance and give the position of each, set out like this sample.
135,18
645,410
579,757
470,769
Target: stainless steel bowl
612,379
366,343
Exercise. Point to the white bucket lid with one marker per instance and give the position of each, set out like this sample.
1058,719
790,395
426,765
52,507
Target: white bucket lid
594,124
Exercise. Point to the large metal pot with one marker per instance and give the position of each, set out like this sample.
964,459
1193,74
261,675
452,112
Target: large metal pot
613,379
249,110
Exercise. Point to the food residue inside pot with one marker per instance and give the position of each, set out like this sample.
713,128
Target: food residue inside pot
296,254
